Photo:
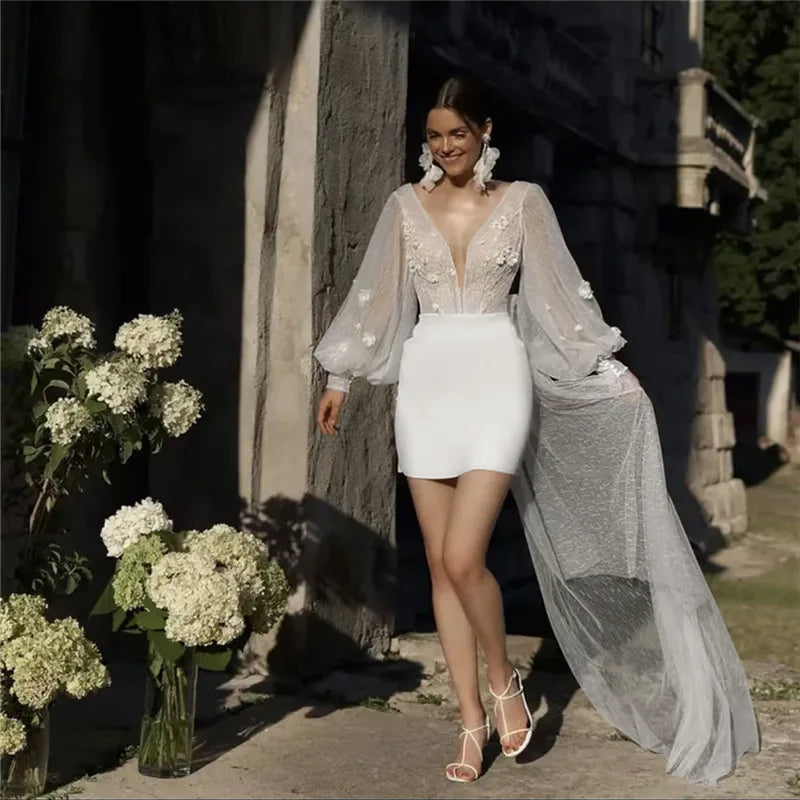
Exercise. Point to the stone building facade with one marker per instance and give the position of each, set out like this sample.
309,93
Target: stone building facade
230,159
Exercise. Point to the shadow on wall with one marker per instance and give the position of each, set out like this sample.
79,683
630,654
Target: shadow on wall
336,565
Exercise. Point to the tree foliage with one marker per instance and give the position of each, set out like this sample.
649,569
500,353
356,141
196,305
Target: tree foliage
753,49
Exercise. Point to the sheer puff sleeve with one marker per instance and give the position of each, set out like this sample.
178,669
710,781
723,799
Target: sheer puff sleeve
557,314
378,313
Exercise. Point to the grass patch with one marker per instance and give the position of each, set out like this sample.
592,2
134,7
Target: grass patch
761,613
431,699
377,704
779,689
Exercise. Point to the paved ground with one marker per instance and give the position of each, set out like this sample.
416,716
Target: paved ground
387,731
285,746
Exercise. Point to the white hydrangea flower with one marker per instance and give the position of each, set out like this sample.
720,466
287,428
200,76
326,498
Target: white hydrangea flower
21,612
12,735
51,657
240,552
178,406
202,603
155,342
66,420
585,290
62,322
121,384
14,345
130,523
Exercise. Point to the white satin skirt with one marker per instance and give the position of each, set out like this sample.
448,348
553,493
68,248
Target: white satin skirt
464,396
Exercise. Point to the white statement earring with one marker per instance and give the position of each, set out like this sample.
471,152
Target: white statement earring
485,163
433,172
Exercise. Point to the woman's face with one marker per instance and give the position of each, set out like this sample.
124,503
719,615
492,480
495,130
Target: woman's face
454,143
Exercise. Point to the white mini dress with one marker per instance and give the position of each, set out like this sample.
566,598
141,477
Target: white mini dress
464,396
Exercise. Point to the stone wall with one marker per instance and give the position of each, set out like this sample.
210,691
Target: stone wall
710,469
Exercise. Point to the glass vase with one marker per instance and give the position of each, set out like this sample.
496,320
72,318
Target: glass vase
167,733
26,771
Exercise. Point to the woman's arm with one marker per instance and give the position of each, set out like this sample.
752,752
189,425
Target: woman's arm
558,315
365,337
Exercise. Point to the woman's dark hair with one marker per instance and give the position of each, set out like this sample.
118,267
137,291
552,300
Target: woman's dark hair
464,95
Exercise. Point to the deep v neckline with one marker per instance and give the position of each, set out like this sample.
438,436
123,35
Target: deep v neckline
428,218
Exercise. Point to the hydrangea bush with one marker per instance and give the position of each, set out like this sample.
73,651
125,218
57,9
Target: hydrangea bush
38,661
71,411
204,590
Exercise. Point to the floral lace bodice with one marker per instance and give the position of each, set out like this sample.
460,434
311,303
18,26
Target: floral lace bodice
492,258
409,264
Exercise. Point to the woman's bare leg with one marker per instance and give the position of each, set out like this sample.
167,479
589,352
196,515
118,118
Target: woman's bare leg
477,501
432,502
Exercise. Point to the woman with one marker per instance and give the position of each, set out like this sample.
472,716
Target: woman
498,392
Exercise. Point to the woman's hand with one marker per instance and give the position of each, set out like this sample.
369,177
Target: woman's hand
329,410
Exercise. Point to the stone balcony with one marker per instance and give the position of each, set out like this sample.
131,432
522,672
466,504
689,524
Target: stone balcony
702,136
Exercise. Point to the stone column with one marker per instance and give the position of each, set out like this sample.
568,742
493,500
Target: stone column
325,505
710,469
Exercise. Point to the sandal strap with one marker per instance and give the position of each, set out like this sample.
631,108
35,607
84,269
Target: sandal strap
504,694
469,733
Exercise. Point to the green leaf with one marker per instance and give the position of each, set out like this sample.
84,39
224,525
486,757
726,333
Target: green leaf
126,451
149,620
94,406
168,649
105,603
57,455
58,384
39,409
216,661
117,618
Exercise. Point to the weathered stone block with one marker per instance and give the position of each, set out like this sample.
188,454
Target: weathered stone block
711,396
725,465
738,497
715,501
712,364
704,468
713,431
738,525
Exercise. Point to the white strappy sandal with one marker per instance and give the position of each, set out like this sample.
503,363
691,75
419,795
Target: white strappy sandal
506,696
468,733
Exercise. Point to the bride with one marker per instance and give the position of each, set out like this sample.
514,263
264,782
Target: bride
500,392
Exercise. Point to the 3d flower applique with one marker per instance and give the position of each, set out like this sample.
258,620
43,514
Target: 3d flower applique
363,296
616,330
368,339
501,223
605,364
343,347
585,290
413,266
548,307
436,307
357,326
578,327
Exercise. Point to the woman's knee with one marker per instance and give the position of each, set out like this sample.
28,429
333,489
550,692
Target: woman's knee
462,568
